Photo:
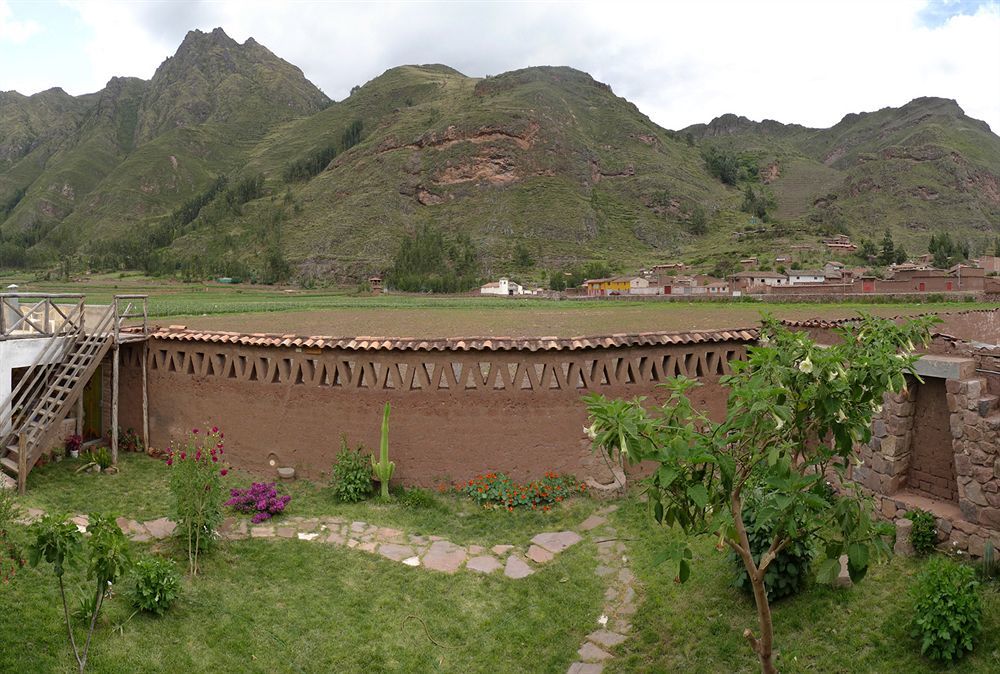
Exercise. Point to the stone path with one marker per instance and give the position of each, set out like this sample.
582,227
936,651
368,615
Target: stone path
431,552
615,622
438,554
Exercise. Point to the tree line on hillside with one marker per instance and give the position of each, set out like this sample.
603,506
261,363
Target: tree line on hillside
573,277
429,261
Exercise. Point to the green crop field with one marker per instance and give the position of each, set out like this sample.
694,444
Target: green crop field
340,313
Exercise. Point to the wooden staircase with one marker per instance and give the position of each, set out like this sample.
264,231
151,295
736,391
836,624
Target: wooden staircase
51,387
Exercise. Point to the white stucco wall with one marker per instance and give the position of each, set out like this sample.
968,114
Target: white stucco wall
16,353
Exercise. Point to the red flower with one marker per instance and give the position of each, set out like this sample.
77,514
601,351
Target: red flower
183,455
224,471
215,429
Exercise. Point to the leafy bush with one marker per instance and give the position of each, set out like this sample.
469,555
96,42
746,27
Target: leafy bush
154,585
947,609
196,473
790,570
496,489
924,534
352,474
130,441
262,499
418,499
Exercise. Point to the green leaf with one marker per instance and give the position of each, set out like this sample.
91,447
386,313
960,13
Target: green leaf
698,494
857,555
828,571
684,570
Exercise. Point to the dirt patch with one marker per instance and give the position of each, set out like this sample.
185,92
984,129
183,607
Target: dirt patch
495,170
524,139
770,173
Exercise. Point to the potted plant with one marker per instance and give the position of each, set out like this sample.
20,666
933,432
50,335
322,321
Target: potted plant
73,444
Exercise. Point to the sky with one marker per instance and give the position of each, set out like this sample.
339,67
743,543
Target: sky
681,62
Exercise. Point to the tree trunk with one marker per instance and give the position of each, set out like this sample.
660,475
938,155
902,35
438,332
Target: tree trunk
69,624
764,645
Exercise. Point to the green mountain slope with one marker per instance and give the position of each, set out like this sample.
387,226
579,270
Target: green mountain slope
228,161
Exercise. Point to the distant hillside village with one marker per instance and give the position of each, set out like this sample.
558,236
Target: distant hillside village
976,276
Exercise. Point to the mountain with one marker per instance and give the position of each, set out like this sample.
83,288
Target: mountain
230,161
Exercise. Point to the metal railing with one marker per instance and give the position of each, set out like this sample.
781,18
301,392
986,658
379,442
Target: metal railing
34,315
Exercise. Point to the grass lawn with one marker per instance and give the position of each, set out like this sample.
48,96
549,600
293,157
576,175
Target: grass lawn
698,626
289,605
141,491
293,606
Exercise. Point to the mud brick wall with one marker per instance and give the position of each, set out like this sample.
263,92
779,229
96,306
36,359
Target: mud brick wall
454,413
932,461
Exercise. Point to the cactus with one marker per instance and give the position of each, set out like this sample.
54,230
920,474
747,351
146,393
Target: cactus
383,468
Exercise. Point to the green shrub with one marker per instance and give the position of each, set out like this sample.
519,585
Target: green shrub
947,609
790,570
924,534
418,499
154,585
352,474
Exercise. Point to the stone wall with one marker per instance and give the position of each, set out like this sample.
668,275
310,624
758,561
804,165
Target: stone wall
914,461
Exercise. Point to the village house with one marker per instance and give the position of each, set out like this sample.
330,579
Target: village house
618,285
503,287
800,276
989,263
747,280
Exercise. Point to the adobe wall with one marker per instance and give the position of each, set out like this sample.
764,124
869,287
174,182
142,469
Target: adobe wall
454,413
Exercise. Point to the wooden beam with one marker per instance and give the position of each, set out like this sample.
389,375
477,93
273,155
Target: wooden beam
114,407
145,396
22,463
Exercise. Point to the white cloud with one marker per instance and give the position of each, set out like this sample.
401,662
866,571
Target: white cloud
12,30
680,62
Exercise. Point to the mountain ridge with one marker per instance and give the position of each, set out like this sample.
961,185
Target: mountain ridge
545,159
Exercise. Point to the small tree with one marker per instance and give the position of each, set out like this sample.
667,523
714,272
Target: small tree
795,412
196,472
60,543
888,253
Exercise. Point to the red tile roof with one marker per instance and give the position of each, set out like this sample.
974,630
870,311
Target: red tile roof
362,343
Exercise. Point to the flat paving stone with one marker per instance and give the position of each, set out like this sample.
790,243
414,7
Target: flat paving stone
412,561
517,568
395,552
388,534
626,576
262,532
501,549
592,522
591,653
539,555
358,527
557,541
368,546
336,538
476,550
606,638
585,668
444,556
308,537
607,510
286,532
604,571
484,564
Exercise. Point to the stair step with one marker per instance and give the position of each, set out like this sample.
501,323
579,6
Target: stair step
10,466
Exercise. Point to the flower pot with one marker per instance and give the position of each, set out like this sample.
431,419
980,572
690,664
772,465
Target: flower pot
74,453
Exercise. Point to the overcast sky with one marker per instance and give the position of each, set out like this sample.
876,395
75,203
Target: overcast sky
681,62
